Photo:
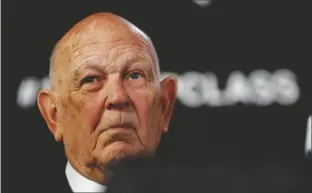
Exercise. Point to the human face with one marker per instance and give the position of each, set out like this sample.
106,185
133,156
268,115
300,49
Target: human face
111,102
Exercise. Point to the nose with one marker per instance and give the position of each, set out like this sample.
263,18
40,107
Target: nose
117,98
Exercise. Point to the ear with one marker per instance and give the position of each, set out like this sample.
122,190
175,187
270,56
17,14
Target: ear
46,101
168,98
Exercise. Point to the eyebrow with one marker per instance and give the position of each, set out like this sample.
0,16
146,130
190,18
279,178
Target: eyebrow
131,59
91,65
87,66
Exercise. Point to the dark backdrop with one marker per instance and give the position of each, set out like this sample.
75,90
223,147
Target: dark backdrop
242,36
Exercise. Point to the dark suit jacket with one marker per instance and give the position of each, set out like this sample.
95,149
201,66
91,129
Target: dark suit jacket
220,177
166,176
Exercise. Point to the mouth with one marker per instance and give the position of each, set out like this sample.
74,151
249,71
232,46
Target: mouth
120,126
117,128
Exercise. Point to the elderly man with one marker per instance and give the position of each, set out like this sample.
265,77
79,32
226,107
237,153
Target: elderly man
106,102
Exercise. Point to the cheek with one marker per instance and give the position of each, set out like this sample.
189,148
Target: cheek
149,113
89,108
92,111
81,117
74,133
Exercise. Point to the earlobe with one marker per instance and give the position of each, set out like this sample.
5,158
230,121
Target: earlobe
47,105
169,94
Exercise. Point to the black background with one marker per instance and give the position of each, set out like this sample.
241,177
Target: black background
228,35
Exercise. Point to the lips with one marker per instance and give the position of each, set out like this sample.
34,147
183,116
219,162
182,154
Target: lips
124,126
116,127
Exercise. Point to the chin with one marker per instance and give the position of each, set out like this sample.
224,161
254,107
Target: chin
116,152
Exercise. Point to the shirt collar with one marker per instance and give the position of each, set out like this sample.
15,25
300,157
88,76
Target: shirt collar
79,183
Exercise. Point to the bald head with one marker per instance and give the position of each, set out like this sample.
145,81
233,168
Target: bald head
104,28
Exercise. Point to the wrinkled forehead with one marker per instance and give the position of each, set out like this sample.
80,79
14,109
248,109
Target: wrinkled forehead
92,39
92,36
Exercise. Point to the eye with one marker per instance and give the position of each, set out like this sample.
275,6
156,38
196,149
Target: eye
136,79
135,75
89,79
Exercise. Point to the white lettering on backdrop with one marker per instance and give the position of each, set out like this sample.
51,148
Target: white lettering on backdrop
196,89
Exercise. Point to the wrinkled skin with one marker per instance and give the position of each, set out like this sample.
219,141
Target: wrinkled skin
106,102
